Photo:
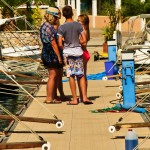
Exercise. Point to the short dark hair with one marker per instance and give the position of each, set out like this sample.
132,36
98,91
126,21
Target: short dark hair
67,12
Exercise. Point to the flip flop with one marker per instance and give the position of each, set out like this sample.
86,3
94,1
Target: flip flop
87,102
72,103
52,102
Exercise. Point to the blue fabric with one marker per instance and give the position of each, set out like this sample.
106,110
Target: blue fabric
47,33
97,76
52,13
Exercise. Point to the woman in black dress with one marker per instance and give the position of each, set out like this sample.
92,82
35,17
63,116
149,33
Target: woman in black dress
51,56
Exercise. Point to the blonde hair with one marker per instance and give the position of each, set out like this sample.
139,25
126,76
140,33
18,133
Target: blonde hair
85,20
49,18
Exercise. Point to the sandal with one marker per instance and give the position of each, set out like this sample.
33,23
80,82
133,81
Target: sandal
87,102
52,102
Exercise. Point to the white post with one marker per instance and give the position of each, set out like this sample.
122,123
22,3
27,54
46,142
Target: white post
69,2
118,9
78,7
94,12
73,4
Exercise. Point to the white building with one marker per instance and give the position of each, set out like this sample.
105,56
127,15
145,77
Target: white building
76,4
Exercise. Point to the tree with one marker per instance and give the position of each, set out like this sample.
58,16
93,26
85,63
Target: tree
37,18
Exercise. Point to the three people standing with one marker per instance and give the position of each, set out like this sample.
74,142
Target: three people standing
70,38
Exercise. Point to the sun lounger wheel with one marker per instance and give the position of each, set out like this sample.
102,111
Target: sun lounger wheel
118,96
59,124
120,87
111,129
105,78
46,146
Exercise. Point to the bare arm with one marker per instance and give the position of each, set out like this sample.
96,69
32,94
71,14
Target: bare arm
83,39
60,42
56,50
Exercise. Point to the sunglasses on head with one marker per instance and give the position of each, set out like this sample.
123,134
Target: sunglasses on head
55,17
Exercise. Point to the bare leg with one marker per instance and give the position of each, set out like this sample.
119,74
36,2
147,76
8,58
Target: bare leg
55,88
85,71
51,84
82,87
82,83
73,90
80,92
59,83
60,87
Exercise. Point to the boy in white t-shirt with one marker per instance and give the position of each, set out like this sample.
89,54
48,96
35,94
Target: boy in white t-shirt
70,32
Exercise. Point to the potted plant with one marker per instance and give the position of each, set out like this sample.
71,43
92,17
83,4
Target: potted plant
108,34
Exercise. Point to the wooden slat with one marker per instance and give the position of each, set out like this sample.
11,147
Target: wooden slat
30,119
142,91
21,58
137,73
21,75
23,82
21,145
135,47
21,131
143,83
142,72
131,125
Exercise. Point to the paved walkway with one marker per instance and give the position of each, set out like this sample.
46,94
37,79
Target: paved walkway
83,130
